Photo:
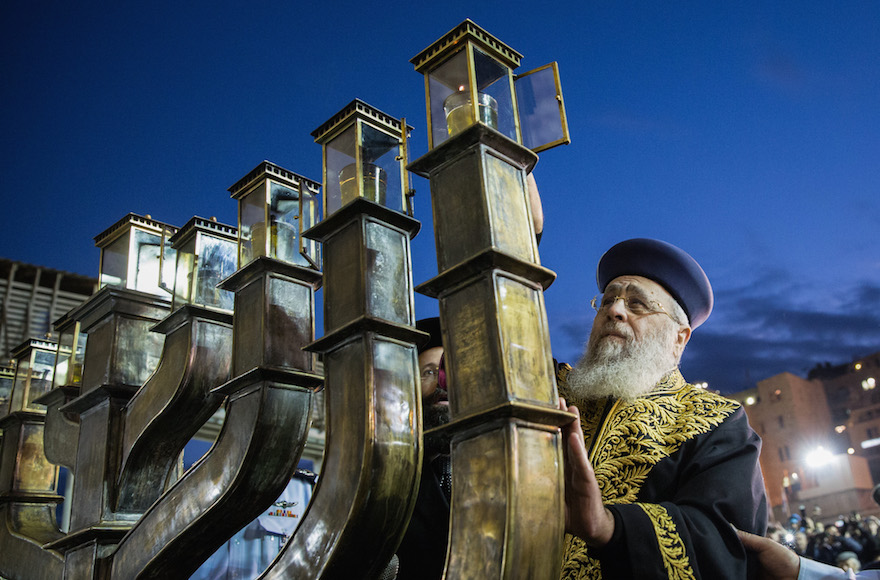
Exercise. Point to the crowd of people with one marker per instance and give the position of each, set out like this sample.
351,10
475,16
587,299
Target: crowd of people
850,542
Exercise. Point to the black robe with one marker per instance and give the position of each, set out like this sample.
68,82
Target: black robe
422,552
676,468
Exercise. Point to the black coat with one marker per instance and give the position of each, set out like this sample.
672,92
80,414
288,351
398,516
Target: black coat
422,552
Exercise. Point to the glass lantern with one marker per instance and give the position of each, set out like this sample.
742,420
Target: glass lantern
136,254
469,65
205,257
70,354
34,368
275,206
7,377
364,156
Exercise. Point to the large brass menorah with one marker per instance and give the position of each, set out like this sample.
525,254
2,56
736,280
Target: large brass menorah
194,318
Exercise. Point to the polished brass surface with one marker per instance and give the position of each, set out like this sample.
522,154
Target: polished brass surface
28,486
174,402
62,430
369,479
245,471
121,351
479,197
367,238
97,468
276,299
452,41
507,502
370,474
24,528
267,418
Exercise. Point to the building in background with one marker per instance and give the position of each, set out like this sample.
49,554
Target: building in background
854,403
817,452
34,297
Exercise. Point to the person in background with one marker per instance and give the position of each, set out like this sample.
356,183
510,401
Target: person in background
422,552
779,563
848,561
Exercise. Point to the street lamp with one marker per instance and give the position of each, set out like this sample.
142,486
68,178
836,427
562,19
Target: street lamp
468,65
818,457
275,206
364,157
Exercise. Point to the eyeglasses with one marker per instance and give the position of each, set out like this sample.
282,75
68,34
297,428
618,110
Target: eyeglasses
634,304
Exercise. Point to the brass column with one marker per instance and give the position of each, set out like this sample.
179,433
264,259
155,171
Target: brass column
28,481
507,493
370,474
120,356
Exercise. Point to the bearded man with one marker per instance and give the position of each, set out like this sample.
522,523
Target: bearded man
657,469
422,551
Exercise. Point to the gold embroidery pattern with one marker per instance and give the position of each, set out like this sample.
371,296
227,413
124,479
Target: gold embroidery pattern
675,559
630,441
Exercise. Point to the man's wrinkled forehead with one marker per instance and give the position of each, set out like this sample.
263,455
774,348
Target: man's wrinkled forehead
637,285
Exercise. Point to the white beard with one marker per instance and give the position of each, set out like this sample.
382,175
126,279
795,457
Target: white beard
624,370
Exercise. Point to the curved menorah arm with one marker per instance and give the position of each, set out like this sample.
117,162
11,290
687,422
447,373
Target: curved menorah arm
174,402
370,476
248,467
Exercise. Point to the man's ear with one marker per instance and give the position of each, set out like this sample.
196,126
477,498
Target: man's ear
681,339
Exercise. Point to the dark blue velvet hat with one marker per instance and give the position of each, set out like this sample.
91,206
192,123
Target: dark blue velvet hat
669,266
432,327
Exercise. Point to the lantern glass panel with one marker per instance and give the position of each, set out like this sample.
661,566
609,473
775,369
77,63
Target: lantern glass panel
183,282
114,262
33,379
382,174
62,356
70,356
167,263
283,215
6,380
252,226
340,162
215,263
494,94
541,112
310,216
78,358
445,80
144,267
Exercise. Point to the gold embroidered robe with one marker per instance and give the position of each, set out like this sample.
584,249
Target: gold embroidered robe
675,467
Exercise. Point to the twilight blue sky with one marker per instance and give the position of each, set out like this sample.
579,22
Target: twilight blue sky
747,133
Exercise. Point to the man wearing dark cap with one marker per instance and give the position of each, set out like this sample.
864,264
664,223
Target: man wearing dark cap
657,469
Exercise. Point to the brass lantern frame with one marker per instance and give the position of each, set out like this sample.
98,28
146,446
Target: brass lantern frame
263,177
353,122
473,43
129,230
